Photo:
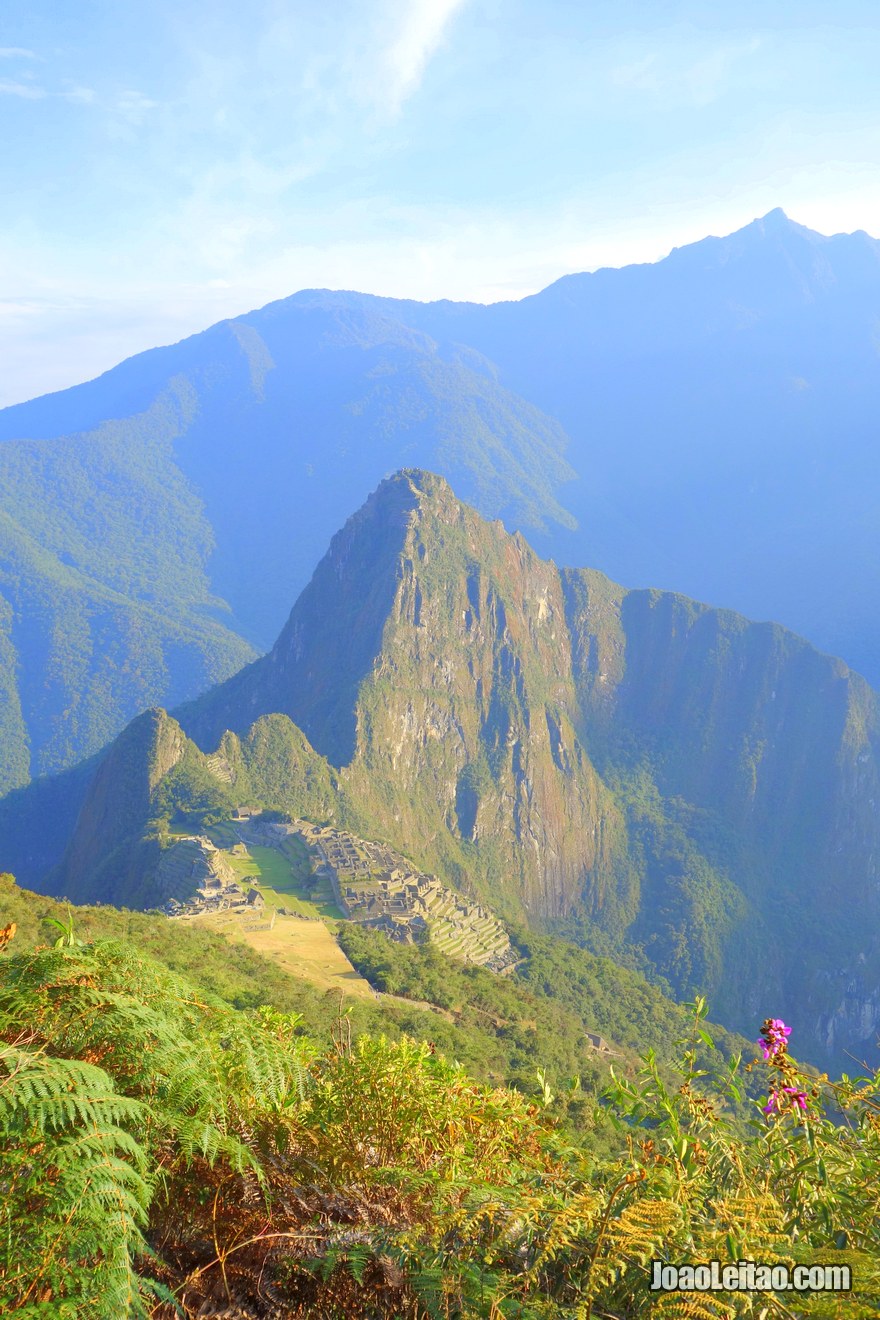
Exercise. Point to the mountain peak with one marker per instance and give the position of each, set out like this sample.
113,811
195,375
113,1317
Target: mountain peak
418,480
776,224
776,218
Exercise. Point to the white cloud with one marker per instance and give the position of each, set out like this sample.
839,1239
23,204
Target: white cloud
16,53
707,77
80,95
133,106
29,92
417,40
640,75
682,72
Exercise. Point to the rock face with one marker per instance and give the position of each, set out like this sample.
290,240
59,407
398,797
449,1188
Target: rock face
664,781
430,657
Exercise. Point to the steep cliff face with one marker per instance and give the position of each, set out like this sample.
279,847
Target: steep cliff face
464,721
430,657
664,780
762,753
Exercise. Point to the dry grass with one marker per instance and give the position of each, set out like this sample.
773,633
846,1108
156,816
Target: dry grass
303,948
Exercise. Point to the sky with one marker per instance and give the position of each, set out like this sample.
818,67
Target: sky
169,163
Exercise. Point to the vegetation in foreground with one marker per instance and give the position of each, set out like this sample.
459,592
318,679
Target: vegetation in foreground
500,1028
166,1154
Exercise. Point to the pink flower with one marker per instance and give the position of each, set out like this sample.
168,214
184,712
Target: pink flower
798,1098
774,1038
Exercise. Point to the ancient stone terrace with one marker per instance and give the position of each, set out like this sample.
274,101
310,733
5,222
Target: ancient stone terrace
378,887
197,878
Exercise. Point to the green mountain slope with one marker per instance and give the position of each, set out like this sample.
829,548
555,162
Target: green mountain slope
105,605
165,1151
663,782
500,1027
716,407
154,775
144,552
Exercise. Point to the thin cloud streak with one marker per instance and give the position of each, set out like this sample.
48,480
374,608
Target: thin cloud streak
699,77
27,91
418,40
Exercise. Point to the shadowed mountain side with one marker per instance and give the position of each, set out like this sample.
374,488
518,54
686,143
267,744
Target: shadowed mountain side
744,717
105,604
154,774
38,820
118,808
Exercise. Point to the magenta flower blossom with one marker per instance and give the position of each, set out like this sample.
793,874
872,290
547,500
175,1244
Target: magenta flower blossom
774,1038
798,1098
774,1044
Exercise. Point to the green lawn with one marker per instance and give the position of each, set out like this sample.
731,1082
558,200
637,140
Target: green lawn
273,869
223,834
280,882
297,855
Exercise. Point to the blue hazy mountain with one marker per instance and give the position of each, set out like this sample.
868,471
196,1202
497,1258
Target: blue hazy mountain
721,407
703,424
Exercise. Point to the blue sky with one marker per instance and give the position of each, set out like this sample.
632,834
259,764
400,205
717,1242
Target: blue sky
168,164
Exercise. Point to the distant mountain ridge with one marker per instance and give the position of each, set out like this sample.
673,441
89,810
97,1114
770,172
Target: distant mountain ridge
704,423
664,781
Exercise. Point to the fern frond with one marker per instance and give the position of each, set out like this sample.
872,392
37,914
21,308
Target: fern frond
75,1191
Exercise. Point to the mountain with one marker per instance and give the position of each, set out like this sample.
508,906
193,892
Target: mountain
142,510
720,407
105,604
704,424
664,782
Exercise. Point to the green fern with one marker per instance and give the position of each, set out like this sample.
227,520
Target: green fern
75,1195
